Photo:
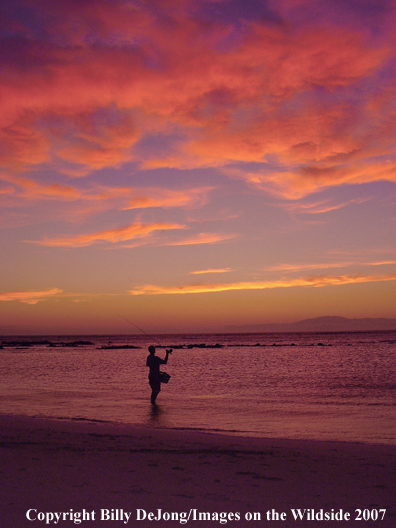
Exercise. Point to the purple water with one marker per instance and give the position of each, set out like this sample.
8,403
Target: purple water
333,386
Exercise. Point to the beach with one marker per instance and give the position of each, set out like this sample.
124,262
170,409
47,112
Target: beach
124,475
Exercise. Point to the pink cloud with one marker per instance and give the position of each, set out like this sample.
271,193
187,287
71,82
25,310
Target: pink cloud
96,140
123,73
308,92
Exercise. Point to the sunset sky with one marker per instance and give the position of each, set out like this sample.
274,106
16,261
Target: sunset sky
191,164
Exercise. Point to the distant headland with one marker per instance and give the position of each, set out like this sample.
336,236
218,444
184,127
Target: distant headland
319,324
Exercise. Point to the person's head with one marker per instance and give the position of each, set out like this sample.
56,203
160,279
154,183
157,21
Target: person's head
151,349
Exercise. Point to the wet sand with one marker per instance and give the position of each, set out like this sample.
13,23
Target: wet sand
125,473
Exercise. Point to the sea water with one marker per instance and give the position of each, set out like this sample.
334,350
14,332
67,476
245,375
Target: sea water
323,386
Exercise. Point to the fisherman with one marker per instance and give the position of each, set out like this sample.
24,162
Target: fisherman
154,362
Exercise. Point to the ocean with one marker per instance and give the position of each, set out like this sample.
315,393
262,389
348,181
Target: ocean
320,386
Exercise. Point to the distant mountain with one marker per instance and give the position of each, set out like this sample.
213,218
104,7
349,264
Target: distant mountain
320,324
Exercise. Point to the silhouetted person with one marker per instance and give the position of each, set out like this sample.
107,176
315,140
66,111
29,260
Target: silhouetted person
154,362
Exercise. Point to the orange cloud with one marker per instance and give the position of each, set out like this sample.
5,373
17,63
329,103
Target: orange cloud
81,201
109,235
7,190
310,179
135,197
32,190
318,281
156,197
30,297
321,207
300,267
202,238
210,270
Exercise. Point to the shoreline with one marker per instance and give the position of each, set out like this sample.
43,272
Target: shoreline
135,426
57,465
87,425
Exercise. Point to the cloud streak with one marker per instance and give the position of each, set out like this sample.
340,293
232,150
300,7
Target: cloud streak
210,270
328,265
80,200
129,197
313,178
321,206
317,281
112,236
166,198
30,297
202,238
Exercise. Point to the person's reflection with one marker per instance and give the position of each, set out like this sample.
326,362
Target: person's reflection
155,415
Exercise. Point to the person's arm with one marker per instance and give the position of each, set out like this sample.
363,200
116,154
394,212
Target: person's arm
165,361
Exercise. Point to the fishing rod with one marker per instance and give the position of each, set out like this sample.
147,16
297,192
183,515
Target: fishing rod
138,327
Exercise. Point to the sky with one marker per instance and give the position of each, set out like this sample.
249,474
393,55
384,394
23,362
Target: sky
184,165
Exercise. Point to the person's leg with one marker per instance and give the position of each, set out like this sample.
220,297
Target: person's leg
154,395
155,389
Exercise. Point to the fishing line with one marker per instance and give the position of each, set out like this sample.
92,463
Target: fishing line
138,327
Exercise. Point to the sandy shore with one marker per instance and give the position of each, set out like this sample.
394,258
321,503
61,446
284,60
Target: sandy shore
119,471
